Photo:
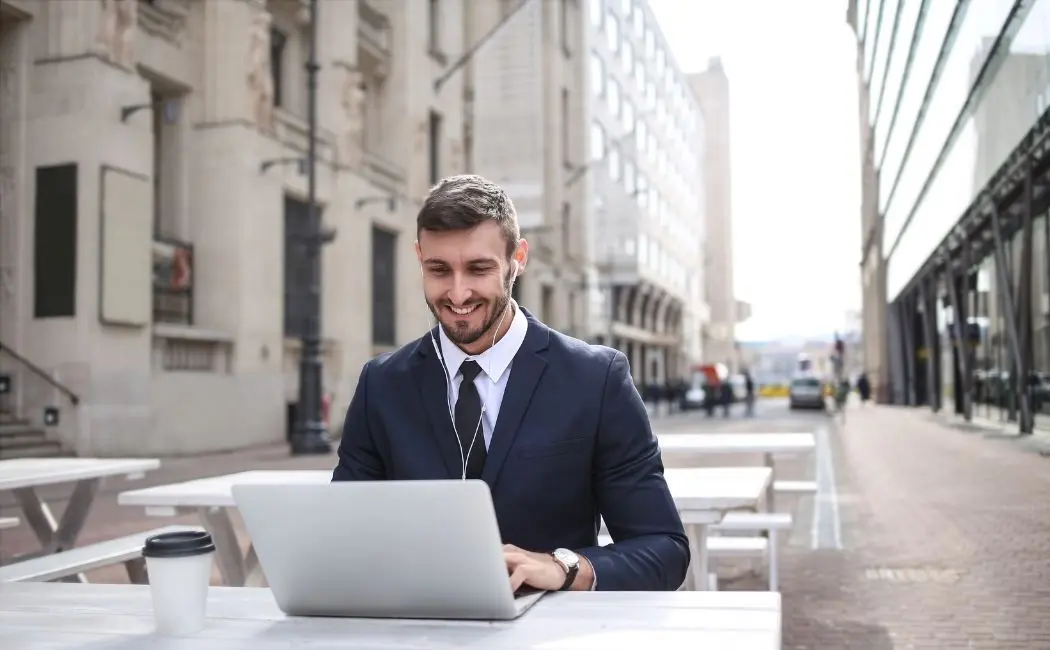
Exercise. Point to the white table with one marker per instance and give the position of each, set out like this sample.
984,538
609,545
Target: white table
60,616
685,445
702,496
211,499
24,476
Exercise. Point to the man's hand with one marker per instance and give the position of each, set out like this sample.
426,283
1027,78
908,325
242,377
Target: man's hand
541,571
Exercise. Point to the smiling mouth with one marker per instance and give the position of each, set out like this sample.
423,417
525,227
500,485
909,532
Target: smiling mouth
464,311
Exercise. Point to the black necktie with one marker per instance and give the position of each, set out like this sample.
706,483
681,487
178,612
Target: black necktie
468,420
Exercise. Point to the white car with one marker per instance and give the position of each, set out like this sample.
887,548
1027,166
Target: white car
806,392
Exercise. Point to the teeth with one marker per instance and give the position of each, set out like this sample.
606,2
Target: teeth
462,311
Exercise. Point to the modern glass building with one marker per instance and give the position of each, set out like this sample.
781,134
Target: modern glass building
954,121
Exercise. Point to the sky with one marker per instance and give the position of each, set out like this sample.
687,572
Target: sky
795,153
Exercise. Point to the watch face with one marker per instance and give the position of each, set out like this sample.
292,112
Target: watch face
566,557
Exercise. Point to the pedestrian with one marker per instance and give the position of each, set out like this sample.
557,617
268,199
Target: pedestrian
749,387
554,426
863,388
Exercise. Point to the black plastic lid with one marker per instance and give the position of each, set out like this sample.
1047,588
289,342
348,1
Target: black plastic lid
182,543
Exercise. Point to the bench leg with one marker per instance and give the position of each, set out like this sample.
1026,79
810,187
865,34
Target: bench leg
61,536
228,550
136,569
697,534
774,578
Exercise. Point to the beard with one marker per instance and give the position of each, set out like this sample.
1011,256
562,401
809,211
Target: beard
464,334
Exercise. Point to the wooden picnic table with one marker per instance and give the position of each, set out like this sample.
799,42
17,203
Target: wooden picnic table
24,476
702,495
61,616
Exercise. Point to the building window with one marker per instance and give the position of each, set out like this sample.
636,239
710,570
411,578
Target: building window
547,303
614,163
597,12
566,228
597,75
628,115
565,16
613,96
384,287
597,141
435,147
55,242
566,133
278,40
434,27
296,267
612,32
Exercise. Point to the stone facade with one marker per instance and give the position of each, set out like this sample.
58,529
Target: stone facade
170,110
645,134
711,88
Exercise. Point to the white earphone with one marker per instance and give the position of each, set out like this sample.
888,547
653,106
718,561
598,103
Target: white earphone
448,386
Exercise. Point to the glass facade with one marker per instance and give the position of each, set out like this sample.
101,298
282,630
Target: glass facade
954,88
968,125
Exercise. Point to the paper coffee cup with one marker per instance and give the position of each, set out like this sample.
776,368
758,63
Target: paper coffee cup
179,568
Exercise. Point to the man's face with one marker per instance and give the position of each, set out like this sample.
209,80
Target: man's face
467,279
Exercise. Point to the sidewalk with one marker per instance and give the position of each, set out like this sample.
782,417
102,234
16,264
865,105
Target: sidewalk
945,534
946,542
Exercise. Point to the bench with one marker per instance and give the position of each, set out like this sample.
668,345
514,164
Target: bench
8,522
795,487
753,522
744,547
66,564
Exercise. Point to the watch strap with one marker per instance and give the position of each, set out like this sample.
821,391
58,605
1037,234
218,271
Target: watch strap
571,571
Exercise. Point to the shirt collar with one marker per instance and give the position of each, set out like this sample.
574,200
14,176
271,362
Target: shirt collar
493,361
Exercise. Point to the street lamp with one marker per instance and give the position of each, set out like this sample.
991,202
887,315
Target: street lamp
310,436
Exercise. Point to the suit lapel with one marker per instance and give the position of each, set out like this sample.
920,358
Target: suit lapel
430,381
525,374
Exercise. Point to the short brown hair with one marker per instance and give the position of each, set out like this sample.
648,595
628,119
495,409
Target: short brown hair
465,201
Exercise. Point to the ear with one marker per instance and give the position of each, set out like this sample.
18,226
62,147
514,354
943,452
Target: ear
520,257
419,252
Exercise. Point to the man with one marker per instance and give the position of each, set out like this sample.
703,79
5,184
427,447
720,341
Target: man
554,426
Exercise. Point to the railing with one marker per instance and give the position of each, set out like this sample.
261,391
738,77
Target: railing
172,281
40,372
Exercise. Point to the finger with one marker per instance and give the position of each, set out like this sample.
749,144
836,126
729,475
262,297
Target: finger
511,548
515,559
518,577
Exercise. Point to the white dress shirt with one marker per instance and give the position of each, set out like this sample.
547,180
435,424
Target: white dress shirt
495,364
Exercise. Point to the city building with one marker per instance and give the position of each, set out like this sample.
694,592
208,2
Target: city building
646,133
527,132
956,275
154,206
711,88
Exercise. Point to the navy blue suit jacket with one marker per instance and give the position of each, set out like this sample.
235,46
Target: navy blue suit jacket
572,440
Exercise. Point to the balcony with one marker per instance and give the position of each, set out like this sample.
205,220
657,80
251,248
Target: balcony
172,281
373,38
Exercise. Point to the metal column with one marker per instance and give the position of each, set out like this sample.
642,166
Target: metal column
960,329
1024,308
929,340
907,317
1006,294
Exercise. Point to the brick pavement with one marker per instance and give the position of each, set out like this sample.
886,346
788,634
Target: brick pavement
946,542
945,532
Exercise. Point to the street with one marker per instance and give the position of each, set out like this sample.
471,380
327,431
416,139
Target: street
922,535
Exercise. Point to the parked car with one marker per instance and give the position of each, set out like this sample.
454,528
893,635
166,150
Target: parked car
806,392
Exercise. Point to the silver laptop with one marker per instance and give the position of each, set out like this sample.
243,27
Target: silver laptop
382,549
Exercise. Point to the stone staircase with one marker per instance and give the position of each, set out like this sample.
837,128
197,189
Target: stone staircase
20,438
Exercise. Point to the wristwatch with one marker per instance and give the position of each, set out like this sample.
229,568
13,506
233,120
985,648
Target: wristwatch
568,561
